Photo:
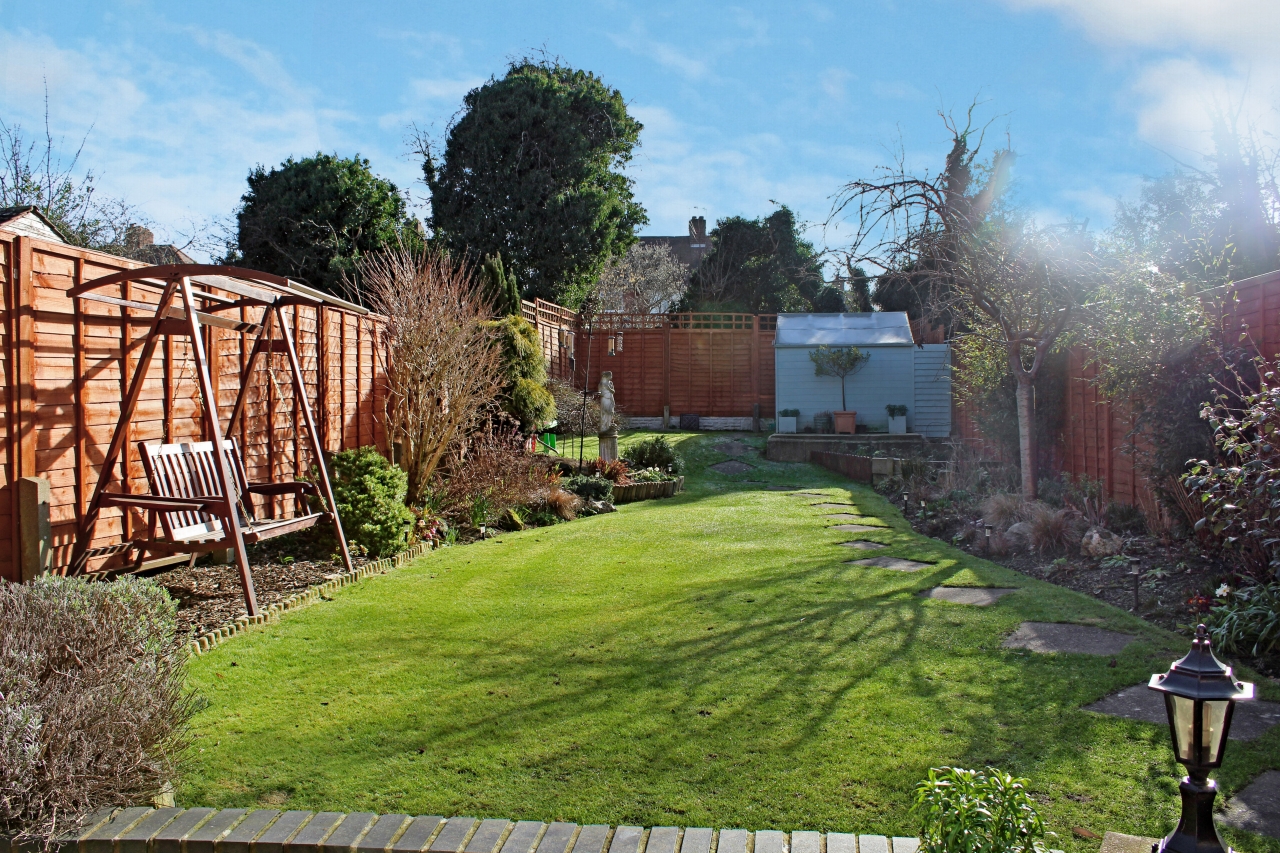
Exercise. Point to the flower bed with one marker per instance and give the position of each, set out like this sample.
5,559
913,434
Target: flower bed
644,491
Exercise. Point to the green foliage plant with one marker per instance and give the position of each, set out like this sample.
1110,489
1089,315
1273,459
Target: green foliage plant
525,394
840,362
540,150
971,811
896,411
500,286
370,494
788,413
314,219
655,452
1247,622
589,488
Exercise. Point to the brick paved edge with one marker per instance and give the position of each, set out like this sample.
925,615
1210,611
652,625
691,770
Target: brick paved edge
311,595
172,830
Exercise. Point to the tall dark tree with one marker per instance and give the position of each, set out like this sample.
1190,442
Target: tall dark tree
314,219
761,265
532,170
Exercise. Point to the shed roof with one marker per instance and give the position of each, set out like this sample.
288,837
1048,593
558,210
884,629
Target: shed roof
879,328
28,221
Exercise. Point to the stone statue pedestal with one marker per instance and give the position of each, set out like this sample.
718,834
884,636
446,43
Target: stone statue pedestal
609,446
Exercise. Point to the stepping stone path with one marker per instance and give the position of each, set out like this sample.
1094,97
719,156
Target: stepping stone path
807,495
1257,807
897,564
1248,721
731,466
863,546
975,595
733,448
1063,637
856,528
215,831
849,507
846,516
779,488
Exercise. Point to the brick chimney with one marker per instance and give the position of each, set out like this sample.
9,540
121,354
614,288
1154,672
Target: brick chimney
698,231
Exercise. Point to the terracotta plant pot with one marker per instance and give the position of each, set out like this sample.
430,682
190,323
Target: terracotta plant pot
845,421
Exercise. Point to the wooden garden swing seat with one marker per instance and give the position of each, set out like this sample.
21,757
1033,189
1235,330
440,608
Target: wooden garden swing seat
199,492
184,476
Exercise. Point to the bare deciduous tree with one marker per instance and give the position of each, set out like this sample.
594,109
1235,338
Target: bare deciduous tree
444,374
647,279
992,275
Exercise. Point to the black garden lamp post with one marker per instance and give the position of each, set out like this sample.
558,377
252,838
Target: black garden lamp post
1199,695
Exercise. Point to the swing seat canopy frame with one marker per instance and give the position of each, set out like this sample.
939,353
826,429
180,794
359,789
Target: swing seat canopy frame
199,492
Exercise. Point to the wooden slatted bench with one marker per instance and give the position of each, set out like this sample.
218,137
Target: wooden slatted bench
184,488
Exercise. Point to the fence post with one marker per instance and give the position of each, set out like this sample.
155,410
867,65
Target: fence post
35,551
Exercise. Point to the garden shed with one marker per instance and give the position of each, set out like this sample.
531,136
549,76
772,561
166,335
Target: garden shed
898,372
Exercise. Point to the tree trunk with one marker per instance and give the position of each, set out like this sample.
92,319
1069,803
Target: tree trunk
1027,435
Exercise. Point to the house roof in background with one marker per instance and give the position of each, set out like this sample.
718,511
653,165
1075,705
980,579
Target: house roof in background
879,328
28,221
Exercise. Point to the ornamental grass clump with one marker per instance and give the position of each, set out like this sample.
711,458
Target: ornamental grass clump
93,711
971,811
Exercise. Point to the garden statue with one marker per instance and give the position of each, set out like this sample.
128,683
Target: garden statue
608,429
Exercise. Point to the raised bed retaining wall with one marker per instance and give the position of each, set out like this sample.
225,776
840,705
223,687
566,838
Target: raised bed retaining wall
645,491
864,469
796,447
145,830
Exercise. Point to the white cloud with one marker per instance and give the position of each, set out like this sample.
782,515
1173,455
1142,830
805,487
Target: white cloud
1196,59
444,89
176,139
834,81
639,42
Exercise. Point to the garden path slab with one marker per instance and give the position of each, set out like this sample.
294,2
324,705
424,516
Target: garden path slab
856,528
808,495
846,516
732,448
779,488
897,564
862,545
731,466
977,596
1257,807
851,507
1249,720
1065,637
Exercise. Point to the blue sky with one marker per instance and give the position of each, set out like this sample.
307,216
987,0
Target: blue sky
742,105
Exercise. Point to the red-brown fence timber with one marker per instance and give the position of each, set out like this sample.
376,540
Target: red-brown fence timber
67,361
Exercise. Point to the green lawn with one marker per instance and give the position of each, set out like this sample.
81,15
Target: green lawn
706,660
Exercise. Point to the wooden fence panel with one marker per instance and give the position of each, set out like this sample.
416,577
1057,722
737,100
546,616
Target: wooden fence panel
67,362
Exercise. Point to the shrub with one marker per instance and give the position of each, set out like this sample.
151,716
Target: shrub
1003,509
650,475
788,413
563,503
524,370
1052,530
589,488
494,474
969,811
1248,621
1240,490
655,452
615,472
370,493
1086,496
1126,518
93,712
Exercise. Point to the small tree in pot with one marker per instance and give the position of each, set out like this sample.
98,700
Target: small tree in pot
841,362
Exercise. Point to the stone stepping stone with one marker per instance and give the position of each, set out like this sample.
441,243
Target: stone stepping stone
732,448
897,564
731,466
863,546
1249,720
976,595
1065,637
779,488
856,528
849,507
847,516
808,495
1257,807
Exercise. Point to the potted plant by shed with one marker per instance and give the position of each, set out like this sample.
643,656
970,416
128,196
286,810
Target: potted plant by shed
840,362
897,419
787,419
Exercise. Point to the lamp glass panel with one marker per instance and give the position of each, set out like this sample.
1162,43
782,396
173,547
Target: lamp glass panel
1212,716
1183,716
